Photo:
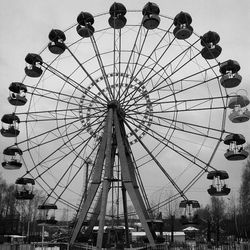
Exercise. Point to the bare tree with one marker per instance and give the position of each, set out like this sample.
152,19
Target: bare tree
244,200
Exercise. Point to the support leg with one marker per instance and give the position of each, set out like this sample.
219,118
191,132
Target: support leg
129,180
96,180
106,182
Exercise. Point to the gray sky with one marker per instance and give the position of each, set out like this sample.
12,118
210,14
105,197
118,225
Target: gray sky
25,24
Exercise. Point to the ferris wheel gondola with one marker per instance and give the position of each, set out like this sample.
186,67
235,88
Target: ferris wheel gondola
235,151
47,214
12,158
17,94
218,188
239,113
10,125
189,215
24,188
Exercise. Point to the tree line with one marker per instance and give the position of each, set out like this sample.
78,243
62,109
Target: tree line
18,216
229,215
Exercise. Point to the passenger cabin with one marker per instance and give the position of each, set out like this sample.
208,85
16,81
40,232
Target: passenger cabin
12,158
218,187
239,113
17,95
151,19
33,67
230,77
235,151
85,25
47,214
211,49
183,29
189,215
24,188
117,19
10,125
57,39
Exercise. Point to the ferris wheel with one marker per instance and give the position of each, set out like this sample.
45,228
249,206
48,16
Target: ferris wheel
119,102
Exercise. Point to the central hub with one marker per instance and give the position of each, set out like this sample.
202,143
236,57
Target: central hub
115,105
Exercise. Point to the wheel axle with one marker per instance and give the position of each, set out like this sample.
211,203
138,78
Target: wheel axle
115,105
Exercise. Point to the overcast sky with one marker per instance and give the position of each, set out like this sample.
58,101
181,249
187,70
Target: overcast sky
25,24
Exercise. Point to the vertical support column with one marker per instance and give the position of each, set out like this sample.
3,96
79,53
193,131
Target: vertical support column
129,180
106,181
95,182
125,209
98,205
94,217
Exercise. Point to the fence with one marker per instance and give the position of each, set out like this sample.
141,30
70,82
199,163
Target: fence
8,246
56,246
